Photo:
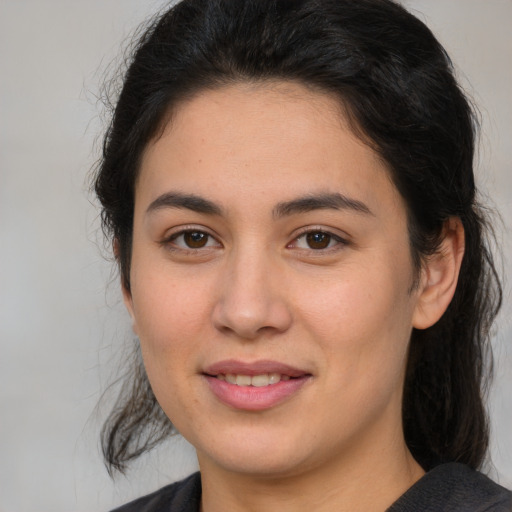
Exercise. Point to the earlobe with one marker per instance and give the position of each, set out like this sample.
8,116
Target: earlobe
439,276
128,302
127,296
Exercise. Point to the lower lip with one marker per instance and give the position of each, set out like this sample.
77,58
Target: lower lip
252,398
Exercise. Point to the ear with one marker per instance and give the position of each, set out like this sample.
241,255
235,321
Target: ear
128,302
127,295
439,276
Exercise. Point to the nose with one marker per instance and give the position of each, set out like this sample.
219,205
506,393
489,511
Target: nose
252,298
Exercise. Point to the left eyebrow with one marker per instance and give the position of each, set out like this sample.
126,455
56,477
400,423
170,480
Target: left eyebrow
320,202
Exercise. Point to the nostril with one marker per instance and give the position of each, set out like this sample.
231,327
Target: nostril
250,319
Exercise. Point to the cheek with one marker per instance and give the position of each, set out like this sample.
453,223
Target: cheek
362,320
171,318
168,304
171,323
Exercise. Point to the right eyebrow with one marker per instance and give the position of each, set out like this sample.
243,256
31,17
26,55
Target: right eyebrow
188,201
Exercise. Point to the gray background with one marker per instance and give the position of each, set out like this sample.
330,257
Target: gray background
61,328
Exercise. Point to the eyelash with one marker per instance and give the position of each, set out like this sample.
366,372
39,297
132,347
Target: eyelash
339,241
170,242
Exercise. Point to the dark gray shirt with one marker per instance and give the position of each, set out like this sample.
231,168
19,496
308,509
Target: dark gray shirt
447,488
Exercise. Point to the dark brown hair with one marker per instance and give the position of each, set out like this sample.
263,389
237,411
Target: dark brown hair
397,84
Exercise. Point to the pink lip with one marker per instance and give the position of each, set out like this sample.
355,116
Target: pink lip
255,368
251,398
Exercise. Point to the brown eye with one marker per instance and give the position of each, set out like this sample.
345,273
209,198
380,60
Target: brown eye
191,241
318,240
195,239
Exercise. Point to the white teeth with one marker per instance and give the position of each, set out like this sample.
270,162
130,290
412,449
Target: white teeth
274,378
258,381
243,380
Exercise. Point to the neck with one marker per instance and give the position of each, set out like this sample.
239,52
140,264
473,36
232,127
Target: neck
371,479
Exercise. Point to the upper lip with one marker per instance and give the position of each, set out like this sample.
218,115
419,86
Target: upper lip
235,367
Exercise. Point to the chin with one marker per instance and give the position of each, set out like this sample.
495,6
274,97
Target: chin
250,454
261,465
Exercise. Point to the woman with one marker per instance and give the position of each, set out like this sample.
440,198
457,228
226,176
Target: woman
289,190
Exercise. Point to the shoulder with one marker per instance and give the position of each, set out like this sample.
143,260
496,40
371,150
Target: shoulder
455,488
182,496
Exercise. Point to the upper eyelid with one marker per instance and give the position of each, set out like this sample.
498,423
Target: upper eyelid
341,235
332,235
181,230
342,242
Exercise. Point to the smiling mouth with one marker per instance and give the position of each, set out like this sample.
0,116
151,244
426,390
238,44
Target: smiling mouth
258,381
254,386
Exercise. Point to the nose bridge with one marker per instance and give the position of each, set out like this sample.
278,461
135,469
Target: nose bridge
252,298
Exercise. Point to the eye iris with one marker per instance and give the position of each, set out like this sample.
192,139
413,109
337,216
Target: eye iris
318,240
195,239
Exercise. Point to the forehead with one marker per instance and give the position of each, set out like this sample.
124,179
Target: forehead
268,141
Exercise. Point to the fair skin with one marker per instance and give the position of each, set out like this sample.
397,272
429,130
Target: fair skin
267,236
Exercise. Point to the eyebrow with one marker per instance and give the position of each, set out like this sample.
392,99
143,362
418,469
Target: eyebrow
188,201
320,202
304,204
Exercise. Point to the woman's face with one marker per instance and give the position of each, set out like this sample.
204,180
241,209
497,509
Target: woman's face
271,282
